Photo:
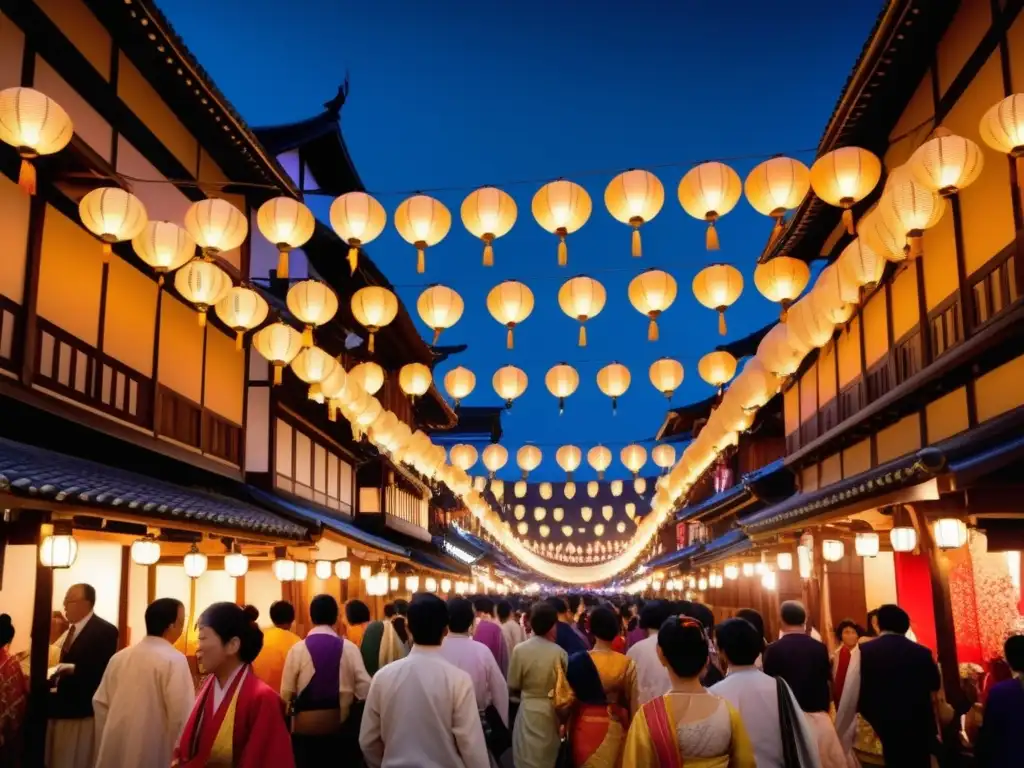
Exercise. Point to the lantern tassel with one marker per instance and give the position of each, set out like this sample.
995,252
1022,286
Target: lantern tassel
785,312
238,341
652,330
583,336
332,411
307,336
27,177
563,252
106,253
277,375
202,318
421,259
282,265
160,280
437,335
848,221
488,255
914,246
353,260
508,339
314,392
369,345
721,322
637,252
711,237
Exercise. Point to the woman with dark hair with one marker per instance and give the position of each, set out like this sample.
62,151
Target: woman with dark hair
689,724
13,697
848,635
238,720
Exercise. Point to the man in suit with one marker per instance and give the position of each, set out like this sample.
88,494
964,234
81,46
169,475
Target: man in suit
85,649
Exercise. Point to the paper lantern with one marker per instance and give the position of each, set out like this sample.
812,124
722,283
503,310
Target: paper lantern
709,191
946,163
494,458
488,213
194,563
717,287
633,458
430,584
414,379
498,488
236,565
312,365
832,295
459,382
808,328
666,375
440,308
732,571
561,381
313,303
546,492
775,186
463,456
510,303
1001,127
561,207
323,569
357,219
569,458
278,343
882,236
599,458
113,215
202,284
369,376
539,513
651,293
509,382
145,551
866,544
634,198
423,222
582,298
164,247
950,533
717,368
374,307
343,569
781,280
861,265
286,223
832,550
34,124
241,310
776,353
528,458
216,225
910,208
613,381
755,385
620,527
664,455
785,561
844,177
567,530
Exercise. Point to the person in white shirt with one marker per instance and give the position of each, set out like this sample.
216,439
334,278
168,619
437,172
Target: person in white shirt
322,676
421,711
511,629
652,678
146,694
756,696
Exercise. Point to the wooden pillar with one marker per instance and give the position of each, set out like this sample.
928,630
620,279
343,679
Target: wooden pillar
123,638
39,687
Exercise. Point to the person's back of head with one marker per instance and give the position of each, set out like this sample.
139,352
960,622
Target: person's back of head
740,641
323,611
357,612
389,610
543,616
703,614
402,607
573,603
754,618
793,613
484,605
683,645
604,623
560,606
653,614
6,630
460,615
504,610
1013,649
161,615
892,618
282,614
428,619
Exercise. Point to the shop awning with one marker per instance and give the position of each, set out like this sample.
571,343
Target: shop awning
675,559
500,560
445,565
311,514
37,473
733,543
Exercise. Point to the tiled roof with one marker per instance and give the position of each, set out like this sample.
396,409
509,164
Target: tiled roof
732,543
440,563
673,559
27,470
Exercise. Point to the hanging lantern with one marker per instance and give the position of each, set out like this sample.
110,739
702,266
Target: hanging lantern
808,328
423,222
374,307
844,177
523,528
569,490
785,561
592,489
882,236
236,565
414,379
202,284
519,489
776,353
664,456
717,368
528,458
832,550
866,544
717,287
164,246
440,308
369,376
950,533
488,213
946,163
561,207
1001,127
509,382
34,124
313,303
546,492
732,571
709,191
312,365
607,512
446,585
284,569
216,225
494,457
910,208
613,381
412,583
569,458
633,458
145,551
539,513
599,458
430,584
567,530
278,343
561,381
634,198
755,386
113,215
498,489
781,280
620,527
357,219
241,310
459,382
775,186
832,296
666,375
558,514
510,303
463,456
323,569
286,223
651,293
861,265
582,298
195,563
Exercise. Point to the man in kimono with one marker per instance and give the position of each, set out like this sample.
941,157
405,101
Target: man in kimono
277,641
488,632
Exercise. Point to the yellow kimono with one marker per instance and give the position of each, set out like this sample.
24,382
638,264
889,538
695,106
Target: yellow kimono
658,740
269,665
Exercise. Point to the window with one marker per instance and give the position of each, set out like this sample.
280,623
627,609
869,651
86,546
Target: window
310,470
405,506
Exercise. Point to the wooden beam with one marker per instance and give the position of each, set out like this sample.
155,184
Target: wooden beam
30,296
39,687
122,608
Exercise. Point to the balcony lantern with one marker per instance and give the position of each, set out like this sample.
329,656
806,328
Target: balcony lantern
866,544
775,186
145,551
34,124
195,563
785,561
279,344
903,538
241,310
323,569
950,533
216,226
202,284
832,550
113,215
58,549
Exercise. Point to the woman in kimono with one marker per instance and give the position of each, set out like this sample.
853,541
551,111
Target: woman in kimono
13,697
237,720
532,677
689,725
380,646
597,693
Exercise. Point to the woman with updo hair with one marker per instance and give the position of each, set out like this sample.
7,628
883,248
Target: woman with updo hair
237,720
689,725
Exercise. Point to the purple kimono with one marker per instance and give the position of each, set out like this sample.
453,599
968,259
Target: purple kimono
489,633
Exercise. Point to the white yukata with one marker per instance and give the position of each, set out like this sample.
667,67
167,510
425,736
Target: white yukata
652,678
142,704
477,661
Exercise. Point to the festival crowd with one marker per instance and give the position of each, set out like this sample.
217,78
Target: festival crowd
556,682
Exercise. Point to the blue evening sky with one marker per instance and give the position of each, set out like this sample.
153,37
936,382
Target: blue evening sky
451,96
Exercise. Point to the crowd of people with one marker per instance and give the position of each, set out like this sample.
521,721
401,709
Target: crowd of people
540,683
